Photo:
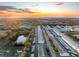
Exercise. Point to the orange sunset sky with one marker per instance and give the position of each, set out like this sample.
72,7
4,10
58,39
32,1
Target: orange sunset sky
39,9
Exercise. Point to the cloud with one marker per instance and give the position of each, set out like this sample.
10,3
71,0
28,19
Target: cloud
60,3
27,10
6,7
1,12
22,10
35,5
12,9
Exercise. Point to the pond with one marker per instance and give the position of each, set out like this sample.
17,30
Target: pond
15,50
10,51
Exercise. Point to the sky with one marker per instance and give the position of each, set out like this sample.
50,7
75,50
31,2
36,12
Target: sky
39,9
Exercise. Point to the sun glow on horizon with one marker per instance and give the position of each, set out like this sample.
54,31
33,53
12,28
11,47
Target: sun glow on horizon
41,10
